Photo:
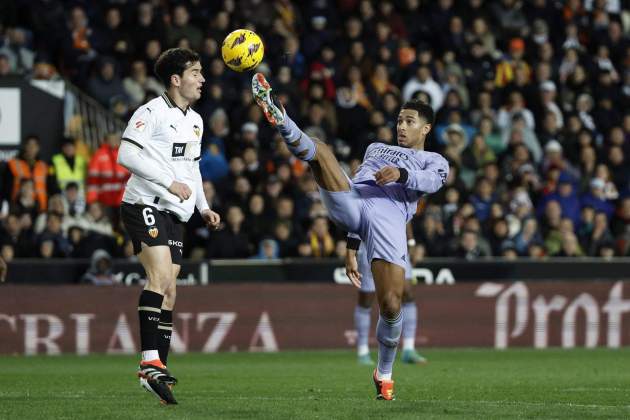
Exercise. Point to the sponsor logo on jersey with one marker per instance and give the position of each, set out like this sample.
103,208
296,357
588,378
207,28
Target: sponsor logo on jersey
197,130
140,125
175,243
179,149
153,232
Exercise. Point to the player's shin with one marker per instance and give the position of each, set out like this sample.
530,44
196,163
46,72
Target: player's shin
149,310
298,142
388,335
362,325
165,329
410,323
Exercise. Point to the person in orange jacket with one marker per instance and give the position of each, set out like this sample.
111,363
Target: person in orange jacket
106,178
25,166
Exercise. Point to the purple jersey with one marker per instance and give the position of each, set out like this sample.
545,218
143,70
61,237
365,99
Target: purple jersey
427,173
378,214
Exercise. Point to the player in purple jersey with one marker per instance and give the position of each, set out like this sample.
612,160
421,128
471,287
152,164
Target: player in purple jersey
373,207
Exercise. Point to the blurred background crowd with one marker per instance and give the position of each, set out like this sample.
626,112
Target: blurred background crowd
532,102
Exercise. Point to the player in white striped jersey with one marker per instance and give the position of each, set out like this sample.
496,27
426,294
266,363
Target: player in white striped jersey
161,148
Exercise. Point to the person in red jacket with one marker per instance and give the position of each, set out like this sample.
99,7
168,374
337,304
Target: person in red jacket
106,178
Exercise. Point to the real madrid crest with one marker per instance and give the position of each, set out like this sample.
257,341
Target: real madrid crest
153,232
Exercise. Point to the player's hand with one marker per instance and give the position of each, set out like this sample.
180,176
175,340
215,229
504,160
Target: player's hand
386,175
181,190
212,219
352,269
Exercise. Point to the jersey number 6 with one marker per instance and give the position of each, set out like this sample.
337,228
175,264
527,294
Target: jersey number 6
147,213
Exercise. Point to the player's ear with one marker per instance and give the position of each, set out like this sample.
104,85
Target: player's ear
176,80
426,128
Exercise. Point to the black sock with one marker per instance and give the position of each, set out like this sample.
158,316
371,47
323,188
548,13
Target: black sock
165,329
149,314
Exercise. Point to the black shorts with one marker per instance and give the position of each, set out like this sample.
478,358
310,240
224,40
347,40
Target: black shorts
153,227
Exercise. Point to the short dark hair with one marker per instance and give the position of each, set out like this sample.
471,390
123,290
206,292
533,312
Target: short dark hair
424,110
174,61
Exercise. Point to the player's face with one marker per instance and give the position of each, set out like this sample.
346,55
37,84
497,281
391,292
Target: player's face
411,129
191,82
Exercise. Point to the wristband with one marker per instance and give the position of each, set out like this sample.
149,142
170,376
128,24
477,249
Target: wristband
404,175
353,243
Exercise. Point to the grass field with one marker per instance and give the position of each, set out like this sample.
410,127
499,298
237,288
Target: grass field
297,385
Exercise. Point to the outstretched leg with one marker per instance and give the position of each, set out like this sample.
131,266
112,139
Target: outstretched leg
326,169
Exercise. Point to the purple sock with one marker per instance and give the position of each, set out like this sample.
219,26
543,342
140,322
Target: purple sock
388,335
298,142
362,324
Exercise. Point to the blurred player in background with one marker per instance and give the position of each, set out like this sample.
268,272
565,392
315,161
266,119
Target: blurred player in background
365,299
161,148
3,270
374,206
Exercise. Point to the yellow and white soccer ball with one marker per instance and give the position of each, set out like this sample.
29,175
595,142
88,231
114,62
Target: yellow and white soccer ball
242,50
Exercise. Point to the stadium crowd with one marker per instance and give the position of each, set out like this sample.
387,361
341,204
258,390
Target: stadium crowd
532,103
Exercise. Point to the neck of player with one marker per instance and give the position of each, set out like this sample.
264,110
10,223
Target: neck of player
179,100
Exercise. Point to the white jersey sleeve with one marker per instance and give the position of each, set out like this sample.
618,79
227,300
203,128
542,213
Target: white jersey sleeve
131,154
201,202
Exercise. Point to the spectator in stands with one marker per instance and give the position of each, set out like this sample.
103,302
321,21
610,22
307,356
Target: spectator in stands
79,43
5,65
100,272
320,239
95,220
147,27
105,86
53,234
28,166
423,81
232,241
139,84
69,167
55,205
213,164
548,94
596,198
73,202
469,247
25,204
17,236
267,250
570,246
15,47
181,28
106,178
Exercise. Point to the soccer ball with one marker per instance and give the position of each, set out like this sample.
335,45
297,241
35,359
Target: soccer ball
242,50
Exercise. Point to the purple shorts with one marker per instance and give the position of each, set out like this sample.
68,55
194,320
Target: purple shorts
365,268
368,212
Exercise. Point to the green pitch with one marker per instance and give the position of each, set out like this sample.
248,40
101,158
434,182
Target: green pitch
297,385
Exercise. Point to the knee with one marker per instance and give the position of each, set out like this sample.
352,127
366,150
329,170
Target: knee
365,299
169,298
407,296
159,281
390,305
322,148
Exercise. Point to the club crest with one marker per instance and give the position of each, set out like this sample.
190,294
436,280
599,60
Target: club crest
153,232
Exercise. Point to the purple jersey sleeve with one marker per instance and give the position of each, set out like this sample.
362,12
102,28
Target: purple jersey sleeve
431,177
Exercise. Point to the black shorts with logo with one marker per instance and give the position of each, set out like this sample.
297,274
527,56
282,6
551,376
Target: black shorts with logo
153,227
